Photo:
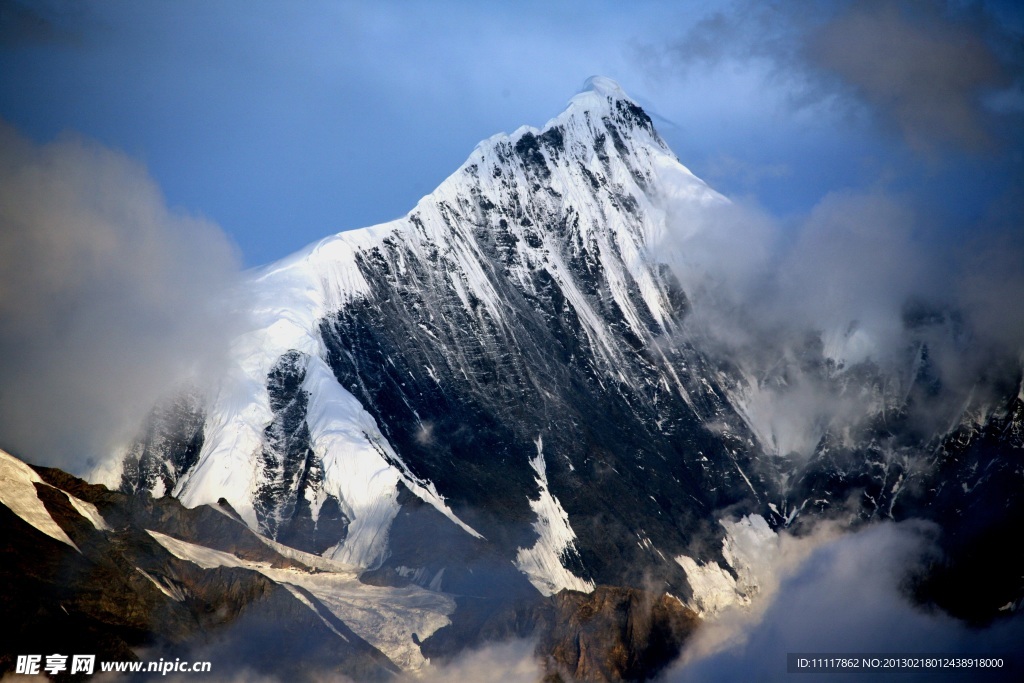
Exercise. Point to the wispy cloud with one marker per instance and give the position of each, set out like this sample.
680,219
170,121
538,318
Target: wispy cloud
847,284
508,662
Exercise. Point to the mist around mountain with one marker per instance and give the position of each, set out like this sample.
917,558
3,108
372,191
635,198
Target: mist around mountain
576,415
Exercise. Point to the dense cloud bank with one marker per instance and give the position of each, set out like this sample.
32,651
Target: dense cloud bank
827,310
923,253
109,299
844,593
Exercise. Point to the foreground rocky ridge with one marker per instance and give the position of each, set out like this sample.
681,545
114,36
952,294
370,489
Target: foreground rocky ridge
111,589
136,578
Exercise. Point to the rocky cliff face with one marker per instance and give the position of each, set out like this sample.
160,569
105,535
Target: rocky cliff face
130,578
499,397
90,571
501,368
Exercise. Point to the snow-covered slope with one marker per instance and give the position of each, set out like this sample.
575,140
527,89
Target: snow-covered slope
390,619
497,393
18,492
426,355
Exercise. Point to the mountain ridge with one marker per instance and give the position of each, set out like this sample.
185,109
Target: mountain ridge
480,250
496,417
497,393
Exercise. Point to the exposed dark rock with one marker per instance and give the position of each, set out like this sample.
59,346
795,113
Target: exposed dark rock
168,446
293,475
202,525
121,591
613,634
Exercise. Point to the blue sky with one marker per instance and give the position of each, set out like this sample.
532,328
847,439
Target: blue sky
283,122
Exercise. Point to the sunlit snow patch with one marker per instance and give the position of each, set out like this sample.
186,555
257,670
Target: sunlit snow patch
89,511
18,493
750,548
542,563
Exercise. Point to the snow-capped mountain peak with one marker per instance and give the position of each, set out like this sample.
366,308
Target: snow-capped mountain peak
388,405
526,283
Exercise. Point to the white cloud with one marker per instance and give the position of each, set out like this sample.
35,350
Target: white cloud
108,298
839,594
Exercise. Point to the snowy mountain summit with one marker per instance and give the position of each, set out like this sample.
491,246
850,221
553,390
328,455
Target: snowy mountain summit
482,361
497,394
